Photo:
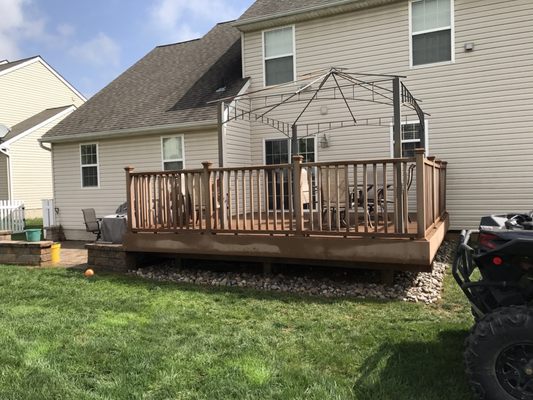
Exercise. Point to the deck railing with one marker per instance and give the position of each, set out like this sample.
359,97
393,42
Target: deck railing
391,197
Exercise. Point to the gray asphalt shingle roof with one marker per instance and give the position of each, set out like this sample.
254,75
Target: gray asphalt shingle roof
264,8
172,84
12,64
35,120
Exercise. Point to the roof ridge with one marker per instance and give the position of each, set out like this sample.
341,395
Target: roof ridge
177,43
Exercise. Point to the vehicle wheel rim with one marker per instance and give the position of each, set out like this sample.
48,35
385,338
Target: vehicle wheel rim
514,370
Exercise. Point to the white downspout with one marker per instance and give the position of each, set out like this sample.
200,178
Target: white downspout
5,151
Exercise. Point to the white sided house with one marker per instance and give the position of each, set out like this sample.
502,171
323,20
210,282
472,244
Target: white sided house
467,62
34,98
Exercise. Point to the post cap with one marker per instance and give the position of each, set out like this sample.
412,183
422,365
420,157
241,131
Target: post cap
420,150
207,164
432,158
298,157
129,168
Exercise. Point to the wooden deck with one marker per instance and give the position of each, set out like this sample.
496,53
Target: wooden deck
375,213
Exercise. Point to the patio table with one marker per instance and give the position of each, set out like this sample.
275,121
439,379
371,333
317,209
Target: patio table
114,227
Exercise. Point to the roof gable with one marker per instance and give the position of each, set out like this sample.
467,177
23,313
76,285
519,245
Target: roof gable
9,67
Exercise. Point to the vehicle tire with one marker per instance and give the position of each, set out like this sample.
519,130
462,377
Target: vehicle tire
499,355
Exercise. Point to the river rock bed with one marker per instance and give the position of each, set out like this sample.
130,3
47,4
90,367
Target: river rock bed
412,287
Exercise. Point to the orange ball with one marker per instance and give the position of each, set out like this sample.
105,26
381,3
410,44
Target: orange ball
88,273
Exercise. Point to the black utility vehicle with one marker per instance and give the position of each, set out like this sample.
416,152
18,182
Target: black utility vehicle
495,271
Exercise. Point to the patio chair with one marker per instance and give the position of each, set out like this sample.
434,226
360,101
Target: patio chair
92,224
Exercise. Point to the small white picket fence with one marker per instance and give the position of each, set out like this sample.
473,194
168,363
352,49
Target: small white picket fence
12,216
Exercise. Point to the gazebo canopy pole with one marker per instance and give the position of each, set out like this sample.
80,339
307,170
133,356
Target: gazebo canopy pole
397,133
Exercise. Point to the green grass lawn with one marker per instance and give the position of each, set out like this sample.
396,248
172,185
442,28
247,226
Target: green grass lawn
65,337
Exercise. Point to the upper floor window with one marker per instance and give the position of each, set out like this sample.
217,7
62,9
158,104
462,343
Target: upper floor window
89,165
278,49
431,30
172,149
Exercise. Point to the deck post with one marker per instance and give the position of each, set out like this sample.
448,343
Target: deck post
130,196
420,193
297,193
397,133
208,196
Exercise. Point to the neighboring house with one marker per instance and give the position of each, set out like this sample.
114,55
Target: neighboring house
469,61
33,98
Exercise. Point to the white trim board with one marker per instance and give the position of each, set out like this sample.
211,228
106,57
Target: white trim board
47,66
22,135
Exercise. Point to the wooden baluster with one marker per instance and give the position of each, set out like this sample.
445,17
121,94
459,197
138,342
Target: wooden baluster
365,196
310,205
252,200
291,199
405,199
385,205
320,206
259,199
244,209
337,199
356,197
376,195
282,196
237,200
267,208
208,194
230,202
275,198
420,193
328,191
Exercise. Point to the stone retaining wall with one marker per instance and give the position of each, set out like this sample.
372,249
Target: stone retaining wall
5,235
25,253
110,257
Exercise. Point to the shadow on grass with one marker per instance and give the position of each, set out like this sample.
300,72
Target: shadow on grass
416,370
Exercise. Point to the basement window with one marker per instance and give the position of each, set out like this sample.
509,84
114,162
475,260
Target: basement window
278,54
431,31
89,165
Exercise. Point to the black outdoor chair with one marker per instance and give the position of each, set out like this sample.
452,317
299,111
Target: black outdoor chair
92,224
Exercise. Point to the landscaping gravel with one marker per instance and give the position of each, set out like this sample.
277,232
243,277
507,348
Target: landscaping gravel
412,287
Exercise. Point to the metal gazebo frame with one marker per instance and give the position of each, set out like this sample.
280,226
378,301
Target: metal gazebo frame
344,81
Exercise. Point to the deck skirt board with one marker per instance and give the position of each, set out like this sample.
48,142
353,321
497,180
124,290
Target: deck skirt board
399,253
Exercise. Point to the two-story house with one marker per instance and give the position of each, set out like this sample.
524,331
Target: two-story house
33,99
467,61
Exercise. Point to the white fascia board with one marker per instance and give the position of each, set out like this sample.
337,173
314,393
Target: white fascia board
118,133
61,115
49,68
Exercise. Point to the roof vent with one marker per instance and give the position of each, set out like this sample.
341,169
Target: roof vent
221,89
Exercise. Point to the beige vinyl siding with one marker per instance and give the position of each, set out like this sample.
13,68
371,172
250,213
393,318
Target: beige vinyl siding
481,106
4,183
31,166
31,89
143,153
237,137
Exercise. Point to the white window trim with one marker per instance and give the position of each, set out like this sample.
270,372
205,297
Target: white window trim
182,160
412,33
426,136
315,137
293,27
97,165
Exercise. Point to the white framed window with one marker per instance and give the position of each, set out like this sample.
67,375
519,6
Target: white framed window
278,56
410,138
89,165
432,31
172,151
